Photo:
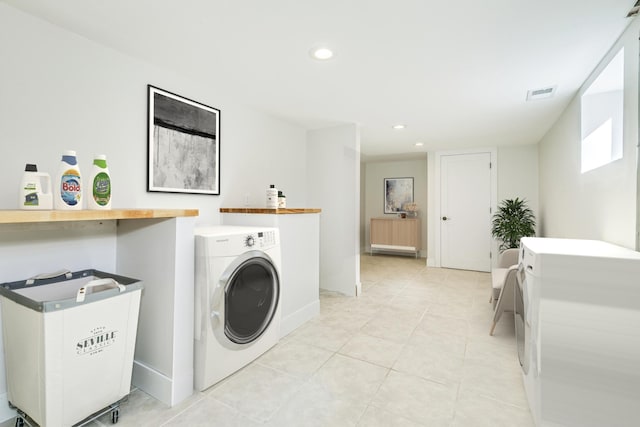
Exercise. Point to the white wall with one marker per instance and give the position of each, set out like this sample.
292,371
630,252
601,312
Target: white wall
375,173
363,207
518,174
61,91
599,107
600,204
432,220
333,173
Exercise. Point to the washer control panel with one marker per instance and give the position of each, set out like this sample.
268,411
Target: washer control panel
260,239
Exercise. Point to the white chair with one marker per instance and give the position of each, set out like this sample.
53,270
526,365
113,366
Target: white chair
503,281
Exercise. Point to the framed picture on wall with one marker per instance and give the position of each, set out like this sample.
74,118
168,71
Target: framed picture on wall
397,192
183,144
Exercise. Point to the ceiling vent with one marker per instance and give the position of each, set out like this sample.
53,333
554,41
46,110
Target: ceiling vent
545,92
634,10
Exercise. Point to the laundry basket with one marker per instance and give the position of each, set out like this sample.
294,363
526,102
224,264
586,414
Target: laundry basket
69,343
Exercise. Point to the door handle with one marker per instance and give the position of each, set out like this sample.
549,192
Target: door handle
444,218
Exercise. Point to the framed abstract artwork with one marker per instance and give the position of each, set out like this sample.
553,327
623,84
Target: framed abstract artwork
183,144
397,192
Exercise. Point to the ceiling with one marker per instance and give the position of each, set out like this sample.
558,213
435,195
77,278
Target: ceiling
456,73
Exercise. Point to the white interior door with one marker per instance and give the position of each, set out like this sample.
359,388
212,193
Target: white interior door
465,211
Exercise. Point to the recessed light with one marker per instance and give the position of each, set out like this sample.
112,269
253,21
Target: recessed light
399,126
321,53
419,144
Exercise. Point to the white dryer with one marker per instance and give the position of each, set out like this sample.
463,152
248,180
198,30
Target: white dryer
237,299
577,308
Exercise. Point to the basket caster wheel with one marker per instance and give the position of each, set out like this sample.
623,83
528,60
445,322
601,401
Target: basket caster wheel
115,414
19,422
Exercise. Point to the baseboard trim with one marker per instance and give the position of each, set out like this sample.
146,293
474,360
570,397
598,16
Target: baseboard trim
152,382
296,319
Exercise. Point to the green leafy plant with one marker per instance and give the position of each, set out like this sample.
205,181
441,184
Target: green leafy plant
512,221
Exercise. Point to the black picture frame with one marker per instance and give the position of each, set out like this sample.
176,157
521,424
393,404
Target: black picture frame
183,138
397,192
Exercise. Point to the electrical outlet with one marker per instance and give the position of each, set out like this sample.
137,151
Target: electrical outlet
247,199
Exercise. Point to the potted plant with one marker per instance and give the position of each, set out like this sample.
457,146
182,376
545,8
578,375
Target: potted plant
512,221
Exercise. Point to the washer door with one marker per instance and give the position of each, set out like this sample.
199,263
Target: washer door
252,290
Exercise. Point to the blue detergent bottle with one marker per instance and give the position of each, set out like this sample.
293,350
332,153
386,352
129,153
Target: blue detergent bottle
68,184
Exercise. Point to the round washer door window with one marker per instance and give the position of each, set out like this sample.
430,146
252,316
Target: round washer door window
251,298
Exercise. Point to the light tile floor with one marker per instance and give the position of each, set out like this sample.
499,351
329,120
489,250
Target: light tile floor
413,350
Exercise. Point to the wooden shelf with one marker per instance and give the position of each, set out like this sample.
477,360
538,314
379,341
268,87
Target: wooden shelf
283,211
23,216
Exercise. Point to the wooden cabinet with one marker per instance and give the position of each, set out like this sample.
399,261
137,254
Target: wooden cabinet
396,234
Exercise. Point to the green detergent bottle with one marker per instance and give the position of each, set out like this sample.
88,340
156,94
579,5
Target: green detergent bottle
100,181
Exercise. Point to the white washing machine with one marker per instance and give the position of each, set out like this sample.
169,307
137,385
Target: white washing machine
237,299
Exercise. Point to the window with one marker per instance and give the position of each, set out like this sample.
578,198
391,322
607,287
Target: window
602,116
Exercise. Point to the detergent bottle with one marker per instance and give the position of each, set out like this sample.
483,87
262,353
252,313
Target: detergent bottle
35,190
282,200
68,184
272,197
100,181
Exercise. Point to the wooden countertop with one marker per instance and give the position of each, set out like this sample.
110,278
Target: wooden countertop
284,211
22,216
